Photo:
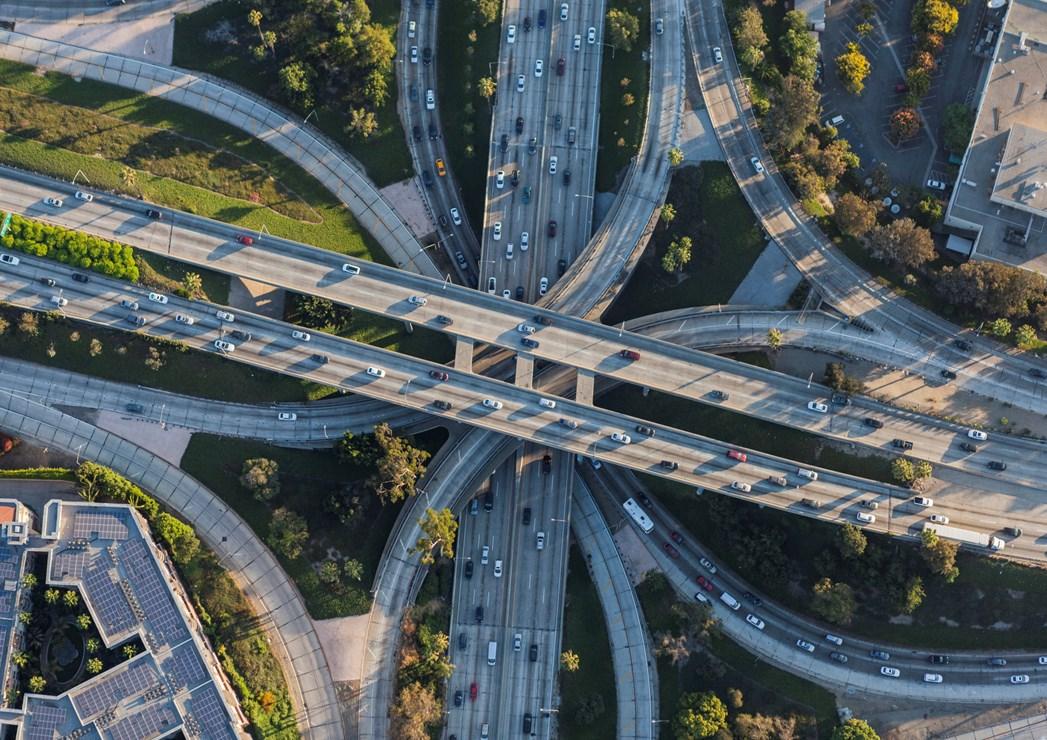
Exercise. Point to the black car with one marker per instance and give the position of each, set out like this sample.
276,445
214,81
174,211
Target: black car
443,221
840,399
243,336
469,568
901,444
670,465
321,359
153,213
880,655
561,66
414,94
1013,531
645,430
526,515
505,145
566,177
81,277
997,465
434,133
541,18
551,230
460,259
968,447
529,343
963,345
871,422
838,657
445,320
532,145
752,598
417,133
519,297
427,55
516,178
939,659
442,405
49,282
543,320
438,374
547,464
479,615
645,500
948,374
134,408
459,697
533,652
720,395
997,662
427,178
1037,373
527,23
561,267
463,641
519,124
489,500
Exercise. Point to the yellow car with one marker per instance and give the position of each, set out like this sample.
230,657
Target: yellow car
440,169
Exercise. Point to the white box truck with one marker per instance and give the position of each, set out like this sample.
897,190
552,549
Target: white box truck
965,535
729,600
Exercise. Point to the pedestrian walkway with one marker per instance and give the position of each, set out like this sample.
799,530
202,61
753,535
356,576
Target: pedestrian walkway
288,626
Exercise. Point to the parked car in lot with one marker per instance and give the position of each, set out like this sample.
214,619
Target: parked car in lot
936,185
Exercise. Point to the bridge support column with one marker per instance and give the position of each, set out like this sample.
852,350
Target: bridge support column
524,371
463,354
584,384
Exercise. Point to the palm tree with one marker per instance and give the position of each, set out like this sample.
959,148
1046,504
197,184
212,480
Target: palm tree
129,651
37,684
93,645
52,595
83,622
129,177
71,598
94,665
20,659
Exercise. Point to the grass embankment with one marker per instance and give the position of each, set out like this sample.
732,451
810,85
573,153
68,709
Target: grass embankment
384,154
585,632
308,478
623,73
466,53
727,240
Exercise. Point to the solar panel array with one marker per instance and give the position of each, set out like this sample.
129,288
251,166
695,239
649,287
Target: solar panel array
211,718
151,591
45,720
105,525
107,692
153,721
184,668
68,564
108,600
8,563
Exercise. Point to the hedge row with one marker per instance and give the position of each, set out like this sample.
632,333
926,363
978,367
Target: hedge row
70,247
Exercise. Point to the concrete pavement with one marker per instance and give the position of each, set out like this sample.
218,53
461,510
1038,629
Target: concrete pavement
93,11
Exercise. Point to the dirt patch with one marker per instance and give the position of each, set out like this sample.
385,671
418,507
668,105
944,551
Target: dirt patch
634,554
150,39
343,641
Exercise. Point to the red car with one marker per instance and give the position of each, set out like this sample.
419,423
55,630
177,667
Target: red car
438,374
677,537
245,239
629,354
673,552
704,583
736,455
472,691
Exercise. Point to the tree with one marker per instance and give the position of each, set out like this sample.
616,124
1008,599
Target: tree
180,538
261,477
912,595
795,106
905,123
735,698
902,244
415,709
487,10
935,17
836,378
487,87
1000,328
863,29
678,255
129,651
919,81
29,324
322,313
748,30
854,215
667,214
4,325
93,645
20,658
833,601
832,160
940,555
929,211
25,618
569,661
623,28
774,339
70,598
699,715
1025,336
129,177
439,529
922,471
296,81
95,348
83,621
358,449
992,287
902,470
94,665
52,595
851,541
957,125
353,569
29,581
853,68
798,46
398,467
192,285
37,684
676,157
287,533
362,123
854,729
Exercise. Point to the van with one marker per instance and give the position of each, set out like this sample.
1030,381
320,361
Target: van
492,652
809,474
527,721
729,600
835,122
834,639
509,251
864,518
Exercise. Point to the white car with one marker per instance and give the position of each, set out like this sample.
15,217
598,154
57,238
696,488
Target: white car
540,539
525,240
9,259
804,645
755,621
301,335
591,35
497,568
506,293
547,403
430,100
517,642
412,27
519,83
414,55
1043,660
417,300
890,671
932,678
659,27
485,554
808,474
701,598
53,202
717,54
158,298
492,404
492,285
81,195
499,179
621,438
923,501
525,329
739,486
510,35
563,11
182,318
223,346
376,372
543,286
757,165
939,519
60,301
538,65
936,185
864,518
456,217
818,407
977,434
497,231
351,269
577,41
552,164
708,565
287,416
1020,678
225,316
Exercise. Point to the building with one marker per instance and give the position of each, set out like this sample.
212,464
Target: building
130,589
999,202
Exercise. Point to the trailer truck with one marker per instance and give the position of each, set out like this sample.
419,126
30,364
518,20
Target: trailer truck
965,535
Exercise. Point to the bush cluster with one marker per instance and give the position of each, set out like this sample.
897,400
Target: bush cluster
72,248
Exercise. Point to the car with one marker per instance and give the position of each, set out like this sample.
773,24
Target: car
459,257
527,195
717,54
552,164
519,124
873,423
932,678
350,269
838,657
997,465
936,185
676,537
417,300
901,444
864,518
459,697
923,501
532,653
561,67
939,659
672,551
243,336
80,277
736,455
977,434
81,195
320,359
129,304
492,403
53,202
890,671
158,298
1037,373
49,282
808,474
752,598
376,372
538,67
1013,531
412,28
939,519
755,621
287,416
510,34
968,447
757,165
527,24
414,55
708,565
572,135
525,328
430,100
659,26
577,44
743,487
781,480
532,145
879,655
1020,678
1042,660
590,35
817,407
427,55
441,169
527,341
963,345
997,662
566,177
645,500
645,430
472,690
434,133
134,318
569,423
517,642
496,231
551,230
547,403
245,239
516,177
621,438
485,554
563,11
442,220
442,405
541,18
704,583
519,83
561,267
543,286
540,540
427,178
154,214
300,335
499,179
497,568
804,645
506,293
182,318
456,217
223,346
438,374
948,374
225,316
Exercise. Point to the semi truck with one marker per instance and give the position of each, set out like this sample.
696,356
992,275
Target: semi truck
965,535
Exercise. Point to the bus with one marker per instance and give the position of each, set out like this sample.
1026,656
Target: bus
639,516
